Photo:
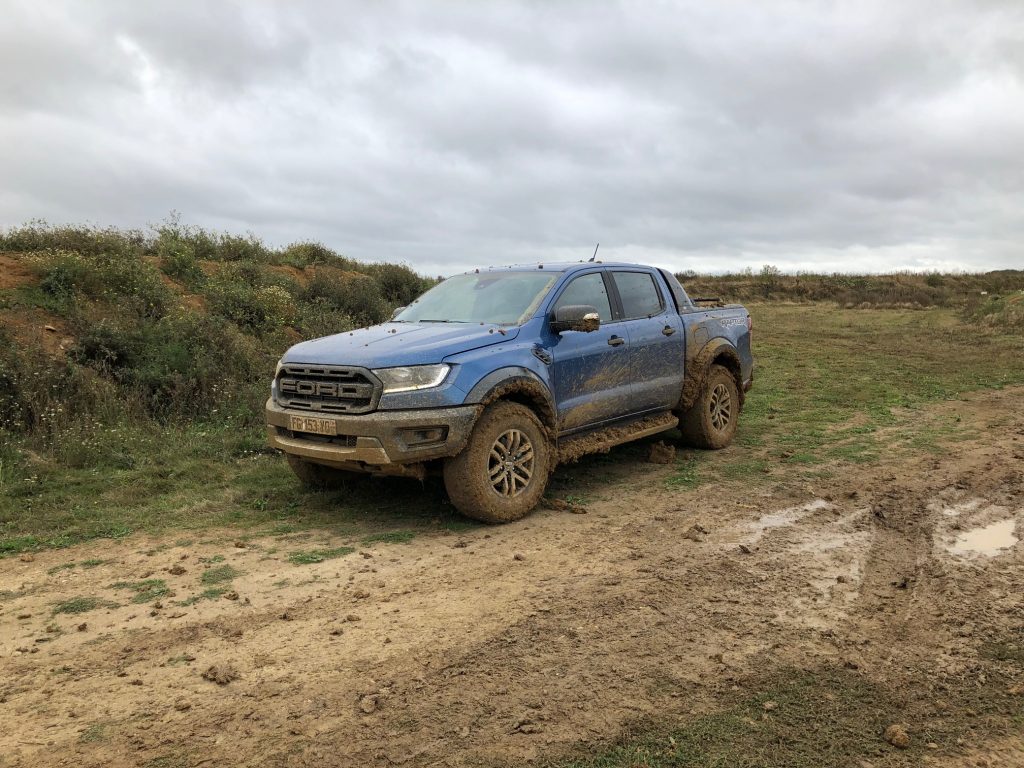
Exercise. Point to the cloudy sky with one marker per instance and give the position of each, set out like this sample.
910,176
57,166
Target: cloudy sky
697,135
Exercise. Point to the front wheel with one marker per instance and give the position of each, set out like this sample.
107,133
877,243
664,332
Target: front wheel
711,421
503,470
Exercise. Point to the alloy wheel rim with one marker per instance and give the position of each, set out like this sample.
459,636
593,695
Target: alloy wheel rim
720,407
510,464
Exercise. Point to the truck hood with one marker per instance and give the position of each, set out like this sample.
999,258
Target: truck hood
391,344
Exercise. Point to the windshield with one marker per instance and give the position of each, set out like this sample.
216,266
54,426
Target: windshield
502,298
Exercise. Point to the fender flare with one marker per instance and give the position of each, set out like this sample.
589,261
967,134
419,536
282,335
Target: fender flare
520,383
697,369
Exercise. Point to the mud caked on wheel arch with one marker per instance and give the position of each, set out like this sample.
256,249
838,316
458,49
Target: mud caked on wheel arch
502,472
711,421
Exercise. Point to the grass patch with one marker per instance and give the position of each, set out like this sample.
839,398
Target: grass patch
210,593
318,555
390,537
685,475
93,562
1005,650
827,718
854,396
220,574
93,733
82,605
61,567
145,591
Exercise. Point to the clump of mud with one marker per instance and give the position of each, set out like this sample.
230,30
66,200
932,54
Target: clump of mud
661,453
221,674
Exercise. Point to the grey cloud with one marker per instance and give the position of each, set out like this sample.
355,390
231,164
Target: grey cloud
717,135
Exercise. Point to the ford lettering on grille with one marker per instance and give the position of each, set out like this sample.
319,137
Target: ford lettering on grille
328,388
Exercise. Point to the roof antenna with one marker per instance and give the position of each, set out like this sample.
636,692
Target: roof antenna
595,251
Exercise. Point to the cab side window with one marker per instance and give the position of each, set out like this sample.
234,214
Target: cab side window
589,290
640,296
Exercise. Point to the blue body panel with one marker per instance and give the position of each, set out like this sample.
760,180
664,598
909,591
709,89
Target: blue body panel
592,378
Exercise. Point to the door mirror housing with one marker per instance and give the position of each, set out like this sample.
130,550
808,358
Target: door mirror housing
576,317
397,312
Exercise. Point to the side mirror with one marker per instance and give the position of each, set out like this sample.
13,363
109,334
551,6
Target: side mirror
576,317
397,312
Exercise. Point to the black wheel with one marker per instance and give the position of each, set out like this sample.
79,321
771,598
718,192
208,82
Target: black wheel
502,472
320,477
711,421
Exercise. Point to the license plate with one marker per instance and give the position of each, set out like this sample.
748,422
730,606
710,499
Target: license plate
313,425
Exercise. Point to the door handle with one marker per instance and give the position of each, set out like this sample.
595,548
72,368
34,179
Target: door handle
668,330
616,341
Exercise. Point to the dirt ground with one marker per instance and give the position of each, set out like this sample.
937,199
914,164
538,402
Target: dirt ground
519,643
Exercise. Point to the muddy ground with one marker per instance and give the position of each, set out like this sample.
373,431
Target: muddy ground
542,639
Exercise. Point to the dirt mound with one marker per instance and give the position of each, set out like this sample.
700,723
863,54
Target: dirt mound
13,272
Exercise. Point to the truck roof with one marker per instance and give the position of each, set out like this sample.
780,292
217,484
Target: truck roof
561,266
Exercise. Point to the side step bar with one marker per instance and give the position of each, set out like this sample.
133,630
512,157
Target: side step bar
603,440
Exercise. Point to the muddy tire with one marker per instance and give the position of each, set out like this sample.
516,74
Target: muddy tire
502,472
319,477
711,421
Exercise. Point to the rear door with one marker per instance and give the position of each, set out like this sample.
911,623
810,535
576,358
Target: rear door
590,371
657,347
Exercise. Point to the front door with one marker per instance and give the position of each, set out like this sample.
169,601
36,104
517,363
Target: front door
590,370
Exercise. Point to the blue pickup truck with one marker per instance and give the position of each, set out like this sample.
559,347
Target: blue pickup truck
495,376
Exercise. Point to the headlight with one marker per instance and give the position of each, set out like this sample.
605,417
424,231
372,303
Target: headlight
277,371
410,377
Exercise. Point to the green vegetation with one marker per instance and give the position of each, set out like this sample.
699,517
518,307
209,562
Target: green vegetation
798,719
318,555
93,733
906,290
151,415
210,593
145,591
390,537
150,418
851,389
82,605
219,574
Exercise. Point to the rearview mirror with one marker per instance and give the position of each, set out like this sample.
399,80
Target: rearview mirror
576,317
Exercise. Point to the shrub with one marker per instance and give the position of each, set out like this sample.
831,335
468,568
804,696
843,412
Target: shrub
319,318
124,280
182,366
41,395
308,254
358,296
246,301
248,248
182,265
997,312
398,284
37,235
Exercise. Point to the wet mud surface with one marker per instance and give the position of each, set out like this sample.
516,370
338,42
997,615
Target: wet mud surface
516,644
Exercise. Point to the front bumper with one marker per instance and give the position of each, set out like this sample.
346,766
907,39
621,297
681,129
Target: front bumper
377,439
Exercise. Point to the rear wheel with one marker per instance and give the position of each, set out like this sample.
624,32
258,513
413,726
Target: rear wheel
711,421
319,477
503,470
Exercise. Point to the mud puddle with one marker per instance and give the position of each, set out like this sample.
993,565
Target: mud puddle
988,540
783,518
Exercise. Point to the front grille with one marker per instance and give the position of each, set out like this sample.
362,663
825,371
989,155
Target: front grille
330,389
